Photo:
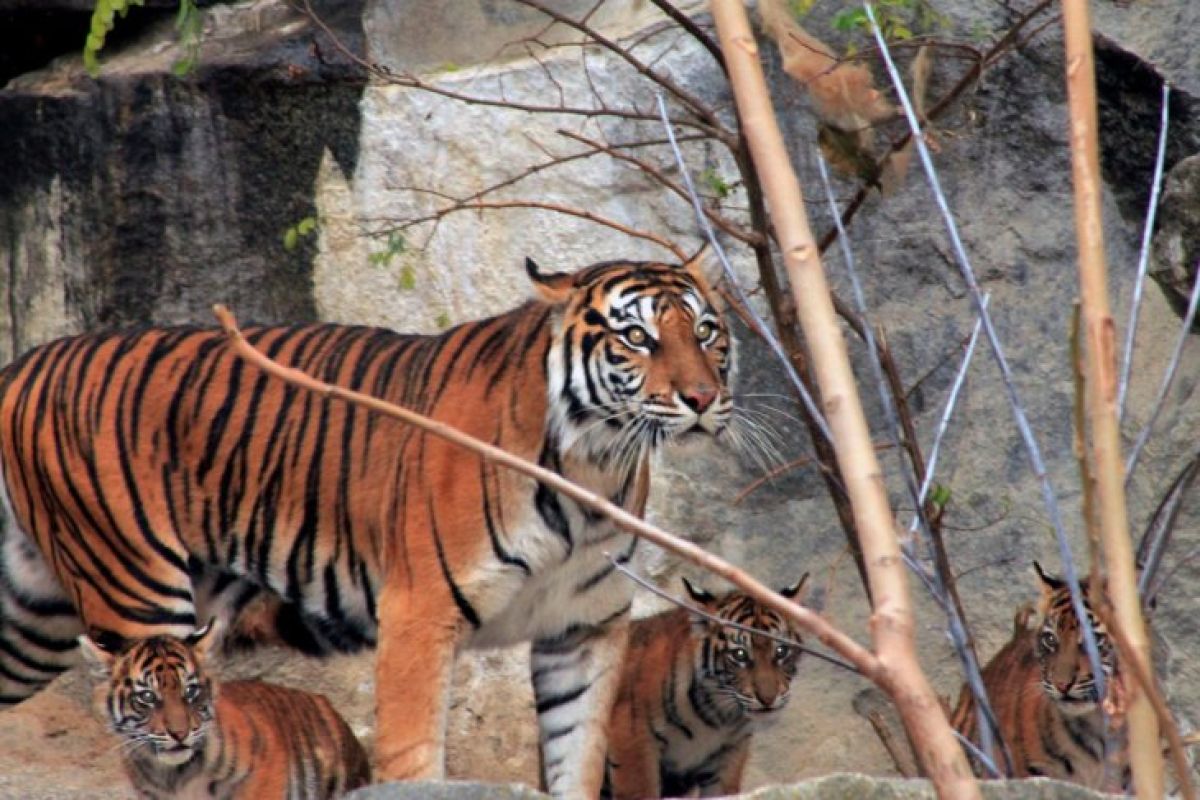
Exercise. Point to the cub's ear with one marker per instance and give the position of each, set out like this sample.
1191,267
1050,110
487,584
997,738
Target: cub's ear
553,287
203,642
704,267
699,596
1049,582
791,592
99,651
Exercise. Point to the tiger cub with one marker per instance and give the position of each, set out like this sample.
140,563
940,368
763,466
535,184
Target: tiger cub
1045,698
183,736
691,694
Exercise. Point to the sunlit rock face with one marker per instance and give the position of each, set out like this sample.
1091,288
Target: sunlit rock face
138,197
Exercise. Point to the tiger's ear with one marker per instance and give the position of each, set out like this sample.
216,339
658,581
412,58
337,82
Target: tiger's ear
203,642
553,287
1048,582
704,267
97,654
790,592
699,596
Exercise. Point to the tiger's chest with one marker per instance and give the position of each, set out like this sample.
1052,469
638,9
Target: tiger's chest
568,584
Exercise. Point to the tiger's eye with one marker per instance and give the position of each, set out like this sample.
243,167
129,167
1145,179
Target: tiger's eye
705,330
145,697
782,651
1049,641
739,656
192,693
636,336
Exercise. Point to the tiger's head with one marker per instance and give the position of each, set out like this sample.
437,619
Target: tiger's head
1067,676
156,695
642,355
744,673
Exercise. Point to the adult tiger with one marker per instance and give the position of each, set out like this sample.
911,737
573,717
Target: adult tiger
181,734
1045,697
132,461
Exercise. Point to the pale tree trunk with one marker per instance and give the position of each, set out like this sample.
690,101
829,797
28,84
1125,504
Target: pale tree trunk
892,614
1100,351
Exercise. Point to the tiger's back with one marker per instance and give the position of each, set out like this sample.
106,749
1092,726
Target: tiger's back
692,693
186,736
1044,696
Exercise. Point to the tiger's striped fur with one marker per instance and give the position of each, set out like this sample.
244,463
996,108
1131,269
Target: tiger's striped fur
185,736
1044,695
692,692
143,470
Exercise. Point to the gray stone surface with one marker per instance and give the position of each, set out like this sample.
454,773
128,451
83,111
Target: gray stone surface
138,198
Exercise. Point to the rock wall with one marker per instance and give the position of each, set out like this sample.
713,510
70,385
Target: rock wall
138,197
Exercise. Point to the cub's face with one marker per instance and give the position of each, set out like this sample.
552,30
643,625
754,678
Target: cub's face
157,697
747,671
645,355
1066,670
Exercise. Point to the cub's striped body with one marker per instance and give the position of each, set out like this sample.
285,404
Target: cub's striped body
1044,695
183,736
152,473
692,692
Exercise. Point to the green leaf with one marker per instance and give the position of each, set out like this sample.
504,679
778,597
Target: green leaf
306,226
291,238
849,19
408,278
940,495
442,320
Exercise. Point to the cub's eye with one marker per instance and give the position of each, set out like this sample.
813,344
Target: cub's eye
145,698
1048,641
192,693
782,651
705,331
739,656
636,336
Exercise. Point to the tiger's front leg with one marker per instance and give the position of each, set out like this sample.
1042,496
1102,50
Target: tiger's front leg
413,665
575,679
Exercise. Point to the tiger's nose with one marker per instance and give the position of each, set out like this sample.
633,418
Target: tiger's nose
699,398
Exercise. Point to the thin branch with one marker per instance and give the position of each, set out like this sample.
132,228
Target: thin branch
693,103
784,468
1158,533
727,623
1049,498
387,75
697,33
558,208
1168,378
811,622
750,237
1144,253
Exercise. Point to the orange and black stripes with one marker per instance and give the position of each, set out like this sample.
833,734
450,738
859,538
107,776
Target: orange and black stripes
1042,690
153,479
181,734
691,690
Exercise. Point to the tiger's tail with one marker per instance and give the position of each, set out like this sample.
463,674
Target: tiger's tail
38,623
